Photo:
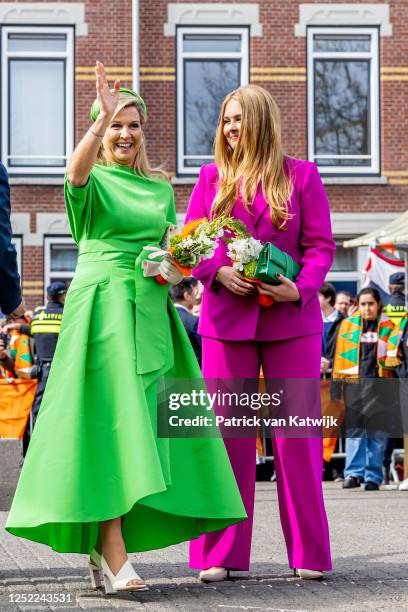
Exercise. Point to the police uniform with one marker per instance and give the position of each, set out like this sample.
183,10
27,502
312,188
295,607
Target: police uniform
45,329
396,309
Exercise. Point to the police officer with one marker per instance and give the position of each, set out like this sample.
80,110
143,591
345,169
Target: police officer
45,329
395,309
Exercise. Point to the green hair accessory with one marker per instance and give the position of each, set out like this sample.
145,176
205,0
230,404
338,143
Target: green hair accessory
95,110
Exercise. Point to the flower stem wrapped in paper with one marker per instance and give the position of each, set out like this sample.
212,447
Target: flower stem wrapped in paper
196,241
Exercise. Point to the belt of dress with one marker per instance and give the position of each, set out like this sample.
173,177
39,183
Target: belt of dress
112,245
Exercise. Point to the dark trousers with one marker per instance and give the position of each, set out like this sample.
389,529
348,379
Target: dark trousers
42,381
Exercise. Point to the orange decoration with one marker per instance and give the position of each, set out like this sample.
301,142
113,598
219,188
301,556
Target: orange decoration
183,269
263,300
191,227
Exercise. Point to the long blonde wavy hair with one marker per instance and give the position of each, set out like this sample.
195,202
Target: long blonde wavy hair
257,158
141,164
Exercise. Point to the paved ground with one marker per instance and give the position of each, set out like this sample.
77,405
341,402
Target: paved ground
370,549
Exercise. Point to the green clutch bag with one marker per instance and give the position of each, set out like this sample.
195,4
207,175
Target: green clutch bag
273,261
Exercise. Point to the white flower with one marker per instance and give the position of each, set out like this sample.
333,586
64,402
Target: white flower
243,251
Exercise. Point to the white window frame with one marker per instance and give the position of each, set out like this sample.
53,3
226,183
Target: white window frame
243,55
50,241
373,56
68,56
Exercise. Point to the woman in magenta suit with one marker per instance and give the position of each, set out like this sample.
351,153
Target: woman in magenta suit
281,200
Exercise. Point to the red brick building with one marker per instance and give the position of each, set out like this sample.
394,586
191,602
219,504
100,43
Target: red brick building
338,71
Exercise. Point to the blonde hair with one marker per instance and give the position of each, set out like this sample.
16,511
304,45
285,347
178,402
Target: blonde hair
257,158
141,164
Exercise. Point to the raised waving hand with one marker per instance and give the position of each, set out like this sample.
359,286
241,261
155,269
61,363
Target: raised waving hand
107,99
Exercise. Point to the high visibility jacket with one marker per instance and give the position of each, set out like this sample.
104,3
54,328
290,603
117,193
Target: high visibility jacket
45,329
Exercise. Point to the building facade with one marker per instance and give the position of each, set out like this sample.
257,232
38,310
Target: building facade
338,72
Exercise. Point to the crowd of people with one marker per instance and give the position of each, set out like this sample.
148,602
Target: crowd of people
364,342
27,347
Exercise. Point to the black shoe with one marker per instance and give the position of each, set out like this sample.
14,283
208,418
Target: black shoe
351,482
386,475
371,486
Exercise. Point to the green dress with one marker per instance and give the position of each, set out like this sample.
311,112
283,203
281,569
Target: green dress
94,454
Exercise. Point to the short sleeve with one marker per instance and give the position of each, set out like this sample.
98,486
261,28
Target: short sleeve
78,205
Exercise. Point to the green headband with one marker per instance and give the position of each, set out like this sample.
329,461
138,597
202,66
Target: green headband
95,110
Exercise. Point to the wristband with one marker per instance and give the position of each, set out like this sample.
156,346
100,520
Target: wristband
95,134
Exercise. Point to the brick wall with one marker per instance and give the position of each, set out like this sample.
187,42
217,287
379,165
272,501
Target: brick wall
110,40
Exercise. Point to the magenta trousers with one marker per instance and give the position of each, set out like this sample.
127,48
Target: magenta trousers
298,461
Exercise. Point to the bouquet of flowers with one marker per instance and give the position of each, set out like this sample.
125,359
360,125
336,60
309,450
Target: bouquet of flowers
244,251
196,241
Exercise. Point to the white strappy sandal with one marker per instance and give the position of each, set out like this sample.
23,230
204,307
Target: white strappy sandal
119,582
95,569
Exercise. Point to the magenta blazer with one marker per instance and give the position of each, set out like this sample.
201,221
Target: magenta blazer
307,238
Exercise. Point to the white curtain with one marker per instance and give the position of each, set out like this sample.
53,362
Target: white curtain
37,112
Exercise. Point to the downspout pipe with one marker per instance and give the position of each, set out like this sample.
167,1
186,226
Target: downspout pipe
135,44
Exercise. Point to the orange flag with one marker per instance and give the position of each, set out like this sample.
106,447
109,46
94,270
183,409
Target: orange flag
16,400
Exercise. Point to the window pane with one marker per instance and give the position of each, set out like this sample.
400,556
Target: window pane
342,114
205,86
341,43
345,260
63,258
346,161
37,128
37,42
215,43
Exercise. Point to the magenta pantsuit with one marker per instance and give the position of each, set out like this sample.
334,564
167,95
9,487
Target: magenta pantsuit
239,335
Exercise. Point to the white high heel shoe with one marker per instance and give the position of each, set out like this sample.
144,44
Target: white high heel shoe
119,582
214,574
306,574
95,569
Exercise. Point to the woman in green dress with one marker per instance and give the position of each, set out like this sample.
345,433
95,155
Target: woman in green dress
96,476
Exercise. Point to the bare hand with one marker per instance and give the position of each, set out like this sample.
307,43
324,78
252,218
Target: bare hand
353,308
108,101
285,292
324,365
233,281
11,326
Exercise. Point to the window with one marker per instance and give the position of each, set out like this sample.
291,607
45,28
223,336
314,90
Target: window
60,258
343,100
210,63
345,273
37,99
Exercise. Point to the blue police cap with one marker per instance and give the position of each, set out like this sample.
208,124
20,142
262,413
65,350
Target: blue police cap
56,288
398,278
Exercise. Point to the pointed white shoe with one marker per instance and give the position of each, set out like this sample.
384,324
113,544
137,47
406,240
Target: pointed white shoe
306,574
119,582
214,574
95,569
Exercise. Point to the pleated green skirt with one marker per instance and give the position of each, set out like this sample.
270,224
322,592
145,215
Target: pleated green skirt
94,454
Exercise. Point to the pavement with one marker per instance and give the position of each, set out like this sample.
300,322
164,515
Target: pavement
369,532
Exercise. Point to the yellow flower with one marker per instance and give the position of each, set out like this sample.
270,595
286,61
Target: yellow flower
190,228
